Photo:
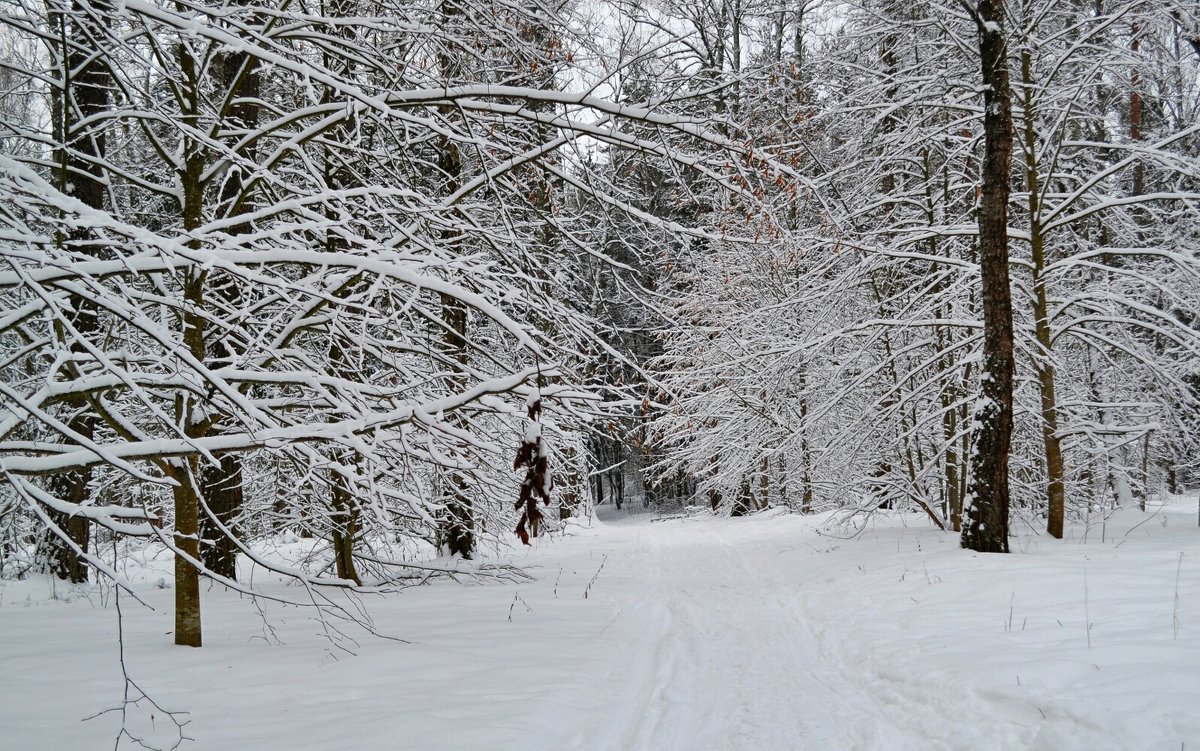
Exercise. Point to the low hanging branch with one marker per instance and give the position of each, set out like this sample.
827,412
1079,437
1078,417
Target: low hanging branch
534,454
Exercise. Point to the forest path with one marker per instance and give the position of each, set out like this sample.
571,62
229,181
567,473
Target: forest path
792,633
772,633
735,660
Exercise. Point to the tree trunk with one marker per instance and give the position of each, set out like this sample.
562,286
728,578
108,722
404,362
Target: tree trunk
1135,111
986,530
571,497
187,577
85,83
764,485
947,373
1043,364
458,521
1146,469
221,484
744,501
344,527
458,524
806,485
186,472
714,495
341,355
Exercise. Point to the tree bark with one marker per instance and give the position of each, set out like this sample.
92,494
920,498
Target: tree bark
986,530
571,498
344,508
344,528
186,472
188,632
85,83
1135,110
764,485
458,521
1043,365
221,484
458,525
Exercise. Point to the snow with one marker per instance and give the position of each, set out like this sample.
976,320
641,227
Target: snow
773,631
533,431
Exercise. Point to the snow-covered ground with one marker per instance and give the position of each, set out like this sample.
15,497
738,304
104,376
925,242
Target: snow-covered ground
760,633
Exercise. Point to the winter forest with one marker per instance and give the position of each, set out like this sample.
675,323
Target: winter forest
624,374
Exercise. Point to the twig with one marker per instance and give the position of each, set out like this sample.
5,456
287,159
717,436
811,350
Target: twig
127,702
1011,600
517,598
269,634
1143,521
588,588
1175,613
1087,618
614,620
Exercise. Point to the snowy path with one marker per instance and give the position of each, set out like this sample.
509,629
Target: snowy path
730,635
774,636
737,665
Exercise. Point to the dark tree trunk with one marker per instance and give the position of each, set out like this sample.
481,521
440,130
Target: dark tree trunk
743,502
188,632
221,484
344,528
764,485
193,329
222,489
344,509
570,498
986,529
458,524
1044,365
458,521
714,495
1135,111
86,81
596,450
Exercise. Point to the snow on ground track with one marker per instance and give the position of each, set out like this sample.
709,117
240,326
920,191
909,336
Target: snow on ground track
737,669
726,634
782,636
